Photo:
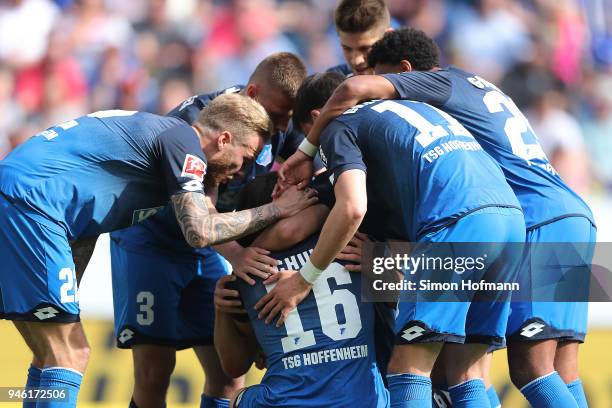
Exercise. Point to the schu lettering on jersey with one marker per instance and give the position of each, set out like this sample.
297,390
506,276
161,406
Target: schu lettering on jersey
194,168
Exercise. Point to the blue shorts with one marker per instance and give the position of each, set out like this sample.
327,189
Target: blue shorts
162,298
476,321
566,321
37,278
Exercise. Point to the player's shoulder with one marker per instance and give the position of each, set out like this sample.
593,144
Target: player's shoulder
190,107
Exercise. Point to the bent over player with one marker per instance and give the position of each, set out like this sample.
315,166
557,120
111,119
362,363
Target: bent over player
95,174
323,355
543,337
163,287
427,181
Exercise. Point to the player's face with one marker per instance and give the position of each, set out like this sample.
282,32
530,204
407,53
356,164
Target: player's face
356,46
227,162
278,105
381,69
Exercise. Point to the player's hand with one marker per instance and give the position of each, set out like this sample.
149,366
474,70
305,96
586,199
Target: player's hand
353,252
227,300
289,291
254,262
297,170
294,200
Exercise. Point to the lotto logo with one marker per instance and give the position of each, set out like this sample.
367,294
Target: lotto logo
413,332
125,335
46,313
532,329
194,168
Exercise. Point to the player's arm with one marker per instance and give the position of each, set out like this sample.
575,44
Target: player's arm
82,250
203,228
290,231
350,92
340,226
234,339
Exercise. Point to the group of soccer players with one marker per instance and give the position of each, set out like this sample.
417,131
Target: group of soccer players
188,199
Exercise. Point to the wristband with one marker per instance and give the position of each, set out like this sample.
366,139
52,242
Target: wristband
310,273
308,148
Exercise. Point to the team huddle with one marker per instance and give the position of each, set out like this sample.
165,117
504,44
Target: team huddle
214,249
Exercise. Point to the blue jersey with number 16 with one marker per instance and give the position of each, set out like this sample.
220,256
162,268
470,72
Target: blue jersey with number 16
503,132
323,356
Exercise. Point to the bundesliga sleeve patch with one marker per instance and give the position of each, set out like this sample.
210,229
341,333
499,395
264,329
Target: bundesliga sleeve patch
194,168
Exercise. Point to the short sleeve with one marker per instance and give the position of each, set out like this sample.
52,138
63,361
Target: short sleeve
325,189
340,150
430,87
183,163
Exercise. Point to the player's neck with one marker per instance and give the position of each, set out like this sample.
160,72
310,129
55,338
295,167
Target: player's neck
207,138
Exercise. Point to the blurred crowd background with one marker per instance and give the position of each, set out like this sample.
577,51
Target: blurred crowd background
63,58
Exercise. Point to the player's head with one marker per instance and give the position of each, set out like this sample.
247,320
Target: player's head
236,128
274,84
256,193
312,95
404,50
360,23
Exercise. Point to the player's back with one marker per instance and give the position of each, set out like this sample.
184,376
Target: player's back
324,353
503,132
91,174
424,170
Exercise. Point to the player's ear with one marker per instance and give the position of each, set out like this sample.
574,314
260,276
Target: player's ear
252,90
389,29
225,138
406,65
314,114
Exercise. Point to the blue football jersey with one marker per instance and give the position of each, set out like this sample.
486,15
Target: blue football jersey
323,356
503,132
424,170
103,171
160,231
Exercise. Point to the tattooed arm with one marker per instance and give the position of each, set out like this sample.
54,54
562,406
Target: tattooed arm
202,227
82,249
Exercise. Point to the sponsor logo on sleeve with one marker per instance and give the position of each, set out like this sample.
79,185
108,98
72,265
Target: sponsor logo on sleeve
194,168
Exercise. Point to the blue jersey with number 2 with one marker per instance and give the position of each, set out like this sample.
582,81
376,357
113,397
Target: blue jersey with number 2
503,132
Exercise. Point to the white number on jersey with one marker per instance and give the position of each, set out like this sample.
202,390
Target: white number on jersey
428,132
145,302
326,301
68,276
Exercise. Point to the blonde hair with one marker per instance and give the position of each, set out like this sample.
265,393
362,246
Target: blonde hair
282,70
239,114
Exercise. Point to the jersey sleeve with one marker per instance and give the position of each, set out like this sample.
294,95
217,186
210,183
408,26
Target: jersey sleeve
325,189
183,163
429,87
340,150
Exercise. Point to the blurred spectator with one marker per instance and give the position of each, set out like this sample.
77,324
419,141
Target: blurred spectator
25,26
561,139
63,58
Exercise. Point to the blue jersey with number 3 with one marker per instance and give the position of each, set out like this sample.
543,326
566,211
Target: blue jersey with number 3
323,356
503,132
103,171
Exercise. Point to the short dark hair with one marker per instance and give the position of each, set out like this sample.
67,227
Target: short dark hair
405,44
358,16
256,193
283,70
313,93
